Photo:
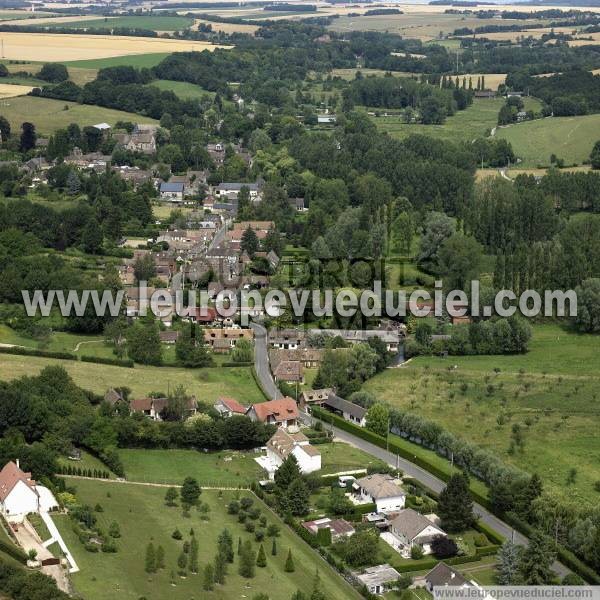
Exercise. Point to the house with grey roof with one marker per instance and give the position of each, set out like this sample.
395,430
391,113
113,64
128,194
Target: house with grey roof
347,410
443,575
377,579
383,490
414,529
172,191
228,191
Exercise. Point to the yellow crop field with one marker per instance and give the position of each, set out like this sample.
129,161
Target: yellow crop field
595,40
10,91
228,27
64,47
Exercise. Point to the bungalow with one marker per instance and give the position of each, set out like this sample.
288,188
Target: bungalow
228,407
376,579
443,575
383,490
289,371
414,529
282,444
283,412
391,338
155,407
172,192
347,410
340,528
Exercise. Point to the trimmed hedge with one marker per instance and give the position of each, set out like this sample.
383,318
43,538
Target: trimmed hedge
491,550
237,364
490,533
35,352
119,362
13,551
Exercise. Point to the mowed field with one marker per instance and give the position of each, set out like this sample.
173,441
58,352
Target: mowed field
554,400
48,115
143,517
183,89
56,47
570,138
207,384
10,90
467,124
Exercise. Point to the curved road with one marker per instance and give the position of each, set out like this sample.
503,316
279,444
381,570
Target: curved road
261,362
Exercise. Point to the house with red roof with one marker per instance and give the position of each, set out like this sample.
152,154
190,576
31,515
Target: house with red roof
18,493
282,412
227,407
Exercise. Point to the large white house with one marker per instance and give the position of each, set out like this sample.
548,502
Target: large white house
18,493
383,490
414,529
282,444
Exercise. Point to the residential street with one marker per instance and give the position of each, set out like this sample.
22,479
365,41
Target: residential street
436,485
261,362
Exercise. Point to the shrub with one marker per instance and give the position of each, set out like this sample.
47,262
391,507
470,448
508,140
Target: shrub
416,552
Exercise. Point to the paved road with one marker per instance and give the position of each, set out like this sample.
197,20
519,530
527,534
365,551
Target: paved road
436,485
261,362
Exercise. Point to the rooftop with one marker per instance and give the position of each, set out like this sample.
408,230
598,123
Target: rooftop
380,486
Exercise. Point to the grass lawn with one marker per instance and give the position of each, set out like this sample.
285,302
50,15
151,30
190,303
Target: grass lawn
339,456
183,89
207,384
133,60
554,398
227,468
143,517
40,527
155,23
88,461
49,115
570,138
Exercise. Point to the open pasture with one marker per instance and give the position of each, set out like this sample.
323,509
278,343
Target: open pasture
550,393
569,138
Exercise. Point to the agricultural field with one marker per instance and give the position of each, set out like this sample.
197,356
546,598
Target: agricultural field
425,25
228,27
476,121
569,138
550,392
48,115
206,384
56,47
143,517
9,90
183,89
139,61
155,23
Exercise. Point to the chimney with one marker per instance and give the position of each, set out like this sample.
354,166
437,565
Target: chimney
452,575
18,465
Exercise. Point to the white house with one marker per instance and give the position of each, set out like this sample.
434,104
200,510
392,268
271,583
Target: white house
442,575
231,190
172,192
348,410
383,490
282,444
18,493
414,529
228,407
282,412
